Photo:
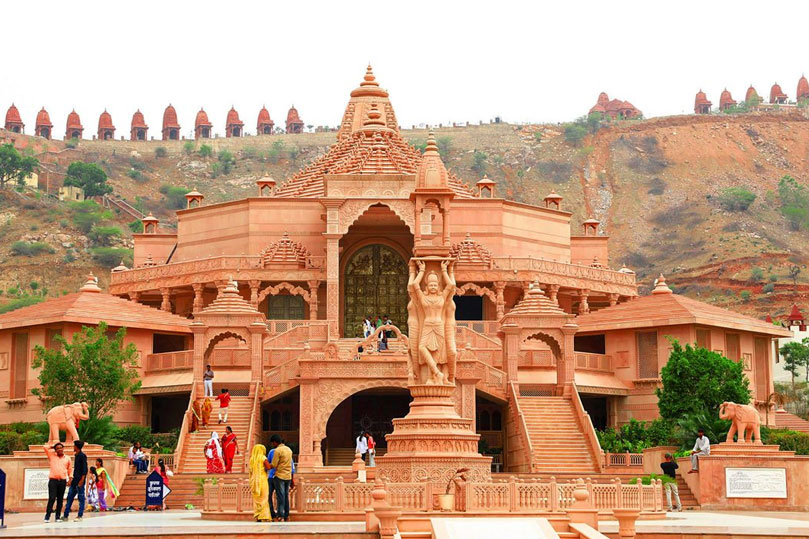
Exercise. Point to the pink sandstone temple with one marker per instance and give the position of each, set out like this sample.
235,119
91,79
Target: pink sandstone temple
777,97
271,290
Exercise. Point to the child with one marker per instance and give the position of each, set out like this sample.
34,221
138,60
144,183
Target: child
104,482
92,489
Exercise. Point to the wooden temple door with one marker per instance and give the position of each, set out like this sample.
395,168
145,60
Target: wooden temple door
375,284
20,365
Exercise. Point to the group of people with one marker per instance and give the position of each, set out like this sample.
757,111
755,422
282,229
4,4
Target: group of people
702,447
89,485
369,326
271,476
366,446
138,458
219,455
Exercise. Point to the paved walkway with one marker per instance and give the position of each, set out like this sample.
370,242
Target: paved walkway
767,524
158,523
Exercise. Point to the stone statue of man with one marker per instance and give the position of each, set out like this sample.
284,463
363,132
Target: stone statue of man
432,325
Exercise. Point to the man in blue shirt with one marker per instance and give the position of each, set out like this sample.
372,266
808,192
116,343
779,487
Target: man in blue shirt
270,475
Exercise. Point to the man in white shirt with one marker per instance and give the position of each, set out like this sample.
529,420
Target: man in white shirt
362,446
701,447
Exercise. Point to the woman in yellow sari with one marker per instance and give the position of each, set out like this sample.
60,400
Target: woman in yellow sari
206,411
259,487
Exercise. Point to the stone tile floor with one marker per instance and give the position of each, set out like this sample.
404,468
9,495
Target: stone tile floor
157,523
766,523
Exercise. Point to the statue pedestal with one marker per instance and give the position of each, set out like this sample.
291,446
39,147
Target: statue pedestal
432,442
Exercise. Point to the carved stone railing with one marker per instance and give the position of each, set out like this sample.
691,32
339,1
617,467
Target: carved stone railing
254,430
626,460
189,412
521,429
280,378
593,362
566,270
508,496
169,361
586,426
169,460
536,358
230,357
486,328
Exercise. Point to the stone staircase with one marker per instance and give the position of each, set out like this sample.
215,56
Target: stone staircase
687,497
344,456
192,461
183,487
785,420
557,441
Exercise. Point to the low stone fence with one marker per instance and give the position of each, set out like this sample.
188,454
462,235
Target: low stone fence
512,496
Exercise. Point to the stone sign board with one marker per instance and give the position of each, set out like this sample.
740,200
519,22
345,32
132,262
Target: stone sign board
756,482
36,484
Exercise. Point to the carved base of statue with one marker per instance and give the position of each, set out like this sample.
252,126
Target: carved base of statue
433,442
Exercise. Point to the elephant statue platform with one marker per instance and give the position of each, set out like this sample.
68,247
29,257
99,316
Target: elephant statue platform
746,422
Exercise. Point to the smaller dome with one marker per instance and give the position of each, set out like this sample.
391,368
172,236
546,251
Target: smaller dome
751,94
91,285
267,180
554,196
13,115
170,117
626,270
485,181
661,287
202,119
264,116
43,118
293,116
194,194
776,94
603,99
105,121
73,120
120,267
138,120
803,88
233,117
150,219
725,99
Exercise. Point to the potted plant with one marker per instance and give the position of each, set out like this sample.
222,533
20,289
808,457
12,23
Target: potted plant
446,501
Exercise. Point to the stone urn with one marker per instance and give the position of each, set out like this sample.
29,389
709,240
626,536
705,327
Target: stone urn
446,502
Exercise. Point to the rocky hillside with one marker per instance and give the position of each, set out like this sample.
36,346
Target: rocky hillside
655,185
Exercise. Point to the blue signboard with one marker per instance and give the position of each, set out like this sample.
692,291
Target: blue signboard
154,489
2,499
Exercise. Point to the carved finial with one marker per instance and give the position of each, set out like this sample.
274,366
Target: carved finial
660,286
91,285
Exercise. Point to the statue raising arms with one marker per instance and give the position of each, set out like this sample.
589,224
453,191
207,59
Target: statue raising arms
432,325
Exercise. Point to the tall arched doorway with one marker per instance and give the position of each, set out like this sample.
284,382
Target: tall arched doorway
376,285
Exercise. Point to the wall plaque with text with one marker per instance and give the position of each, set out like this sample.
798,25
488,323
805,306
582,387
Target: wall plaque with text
756,482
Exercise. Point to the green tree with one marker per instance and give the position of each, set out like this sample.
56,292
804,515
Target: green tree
86,214
90,177
14,167
697,380
479,161
91,368
104,235
794,202
736,199
175,196
227,160
205,150
188,147
160,151
796,355
112,256
575,133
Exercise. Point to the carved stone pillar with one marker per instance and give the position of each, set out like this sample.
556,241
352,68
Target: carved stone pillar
566,365
511,350
553,293
313,286
613,299
445,229
254,286
309,451
166,303
198,302
584,307
220,285
333,284
500,304
134,296
198,329
257,331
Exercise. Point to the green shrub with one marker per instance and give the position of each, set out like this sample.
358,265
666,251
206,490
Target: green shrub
715,429
636,436
134,433
104,235
735,199
175,196
35,248
575,133
794,202
205,150
745,295
99,430
112,256
227,160
136,163
773,278
479,161
86,214
647,479
188,147
757,274
250,152
789,440
10,441
768,288
160,151
72,143
136,175
136,226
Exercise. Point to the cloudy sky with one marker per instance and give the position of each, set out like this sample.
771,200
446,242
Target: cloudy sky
442,61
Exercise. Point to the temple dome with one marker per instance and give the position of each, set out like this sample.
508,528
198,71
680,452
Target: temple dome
264,115
202,119
138,120
701,99
725,99
751,94
536,303
284,252
13,115
293,116
803,88
233,117
369,87
43,118
229,301
170,118
73,120
105,121
776,93
468,252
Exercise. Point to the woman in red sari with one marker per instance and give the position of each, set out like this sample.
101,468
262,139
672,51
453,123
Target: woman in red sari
213,455
229,448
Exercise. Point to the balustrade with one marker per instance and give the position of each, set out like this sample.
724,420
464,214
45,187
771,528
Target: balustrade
593,362
169,361
624,459
567,270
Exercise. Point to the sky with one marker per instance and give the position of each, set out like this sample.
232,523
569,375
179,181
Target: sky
441,61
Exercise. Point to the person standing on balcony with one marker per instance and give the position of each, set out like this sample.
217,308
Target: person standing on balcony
207,380
229,449
702,447
224,402
669,468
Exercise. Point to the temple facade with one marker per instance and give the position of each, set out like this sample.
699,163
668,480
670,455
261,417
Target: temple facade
272,291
